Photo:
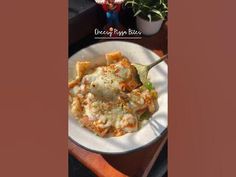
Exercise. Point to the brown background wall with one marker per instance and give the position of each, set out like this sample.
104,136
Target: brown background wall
202,86
33,99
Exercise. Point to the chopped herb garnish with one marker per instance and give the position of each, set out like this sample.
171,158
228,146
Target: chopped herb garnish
146,115
149,86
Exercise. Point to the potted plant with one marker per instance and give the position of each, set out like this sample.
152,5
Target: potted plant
150,14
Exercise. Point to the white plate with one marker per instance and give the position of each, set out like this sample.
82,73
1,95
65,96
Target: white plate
156,125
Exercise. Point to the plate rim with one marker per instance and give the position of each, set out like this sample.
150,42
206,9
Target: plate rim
123,152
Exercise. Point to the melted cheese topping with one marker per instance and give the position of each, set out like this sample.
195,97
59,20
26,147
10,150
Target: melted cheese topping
100,99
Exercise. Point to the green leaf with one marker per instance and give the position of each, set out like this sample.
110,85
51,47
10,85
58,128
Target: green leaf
149,86
164,6
146,115
158,13
138,12
131,2
148,7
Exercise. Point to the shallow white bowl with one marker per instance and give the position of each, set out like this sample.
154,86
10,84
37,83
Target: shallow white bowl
157,123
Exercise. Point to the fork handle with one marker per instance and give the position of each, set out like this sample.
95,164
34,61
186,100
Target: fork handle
157,62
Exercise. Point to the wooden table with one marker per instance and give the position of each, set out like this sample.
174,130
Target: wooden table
135,164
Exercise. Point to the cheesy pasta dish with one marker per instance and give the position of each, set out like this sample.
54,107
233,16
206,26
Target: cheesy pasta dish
110,100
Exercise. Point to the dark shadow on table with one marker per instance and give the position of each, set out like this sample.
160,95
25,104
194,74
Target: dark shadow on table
122,162
77,169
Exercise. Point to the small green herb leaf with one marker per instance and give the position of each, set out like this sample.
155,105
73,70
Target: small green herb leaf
146,115
149,86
